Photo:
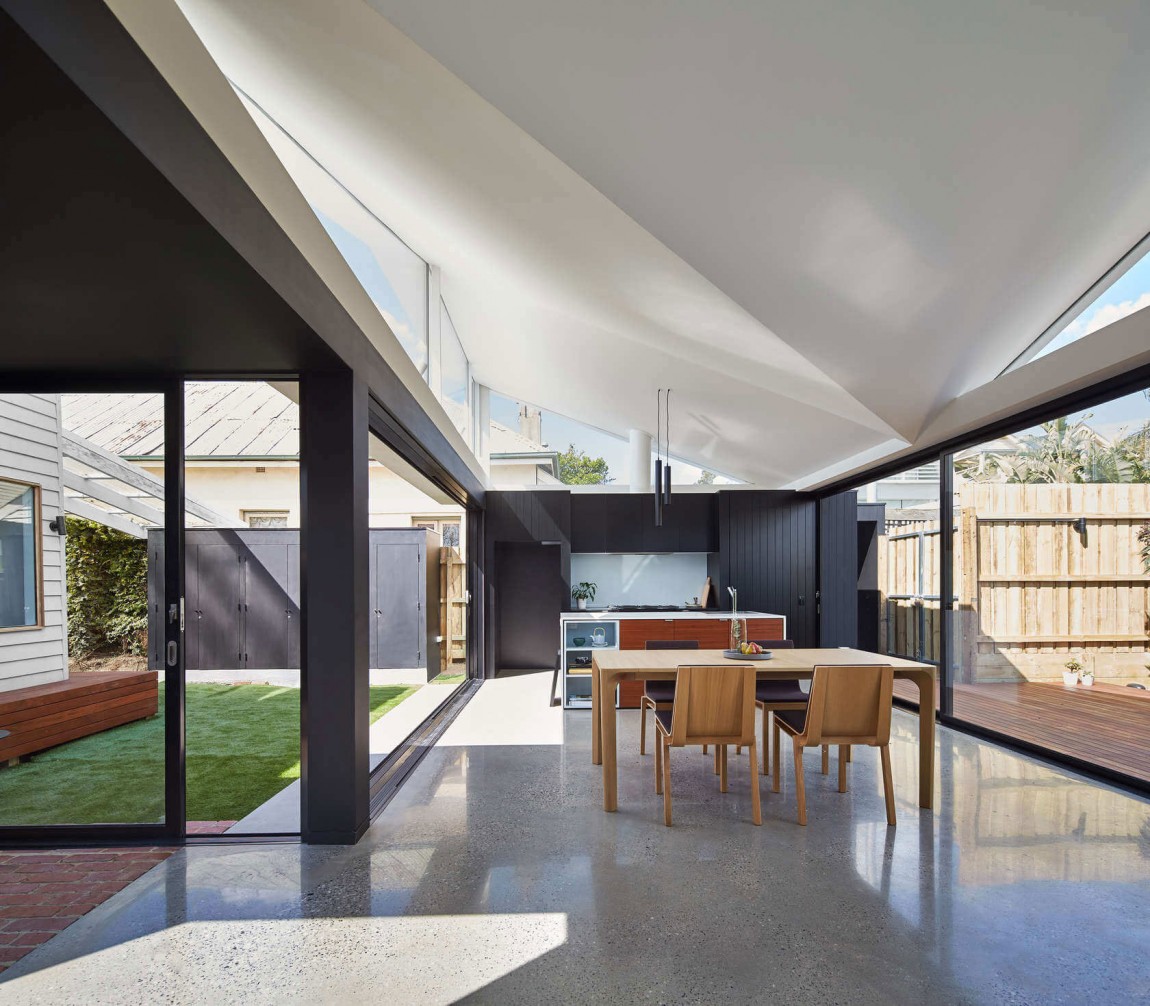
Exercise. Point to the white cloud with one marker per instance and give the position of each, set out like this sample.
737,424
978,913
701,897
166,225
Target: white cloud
1107,314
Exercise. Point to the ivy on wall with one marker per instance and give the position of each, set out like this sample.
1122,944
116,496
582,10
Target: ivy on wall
107,575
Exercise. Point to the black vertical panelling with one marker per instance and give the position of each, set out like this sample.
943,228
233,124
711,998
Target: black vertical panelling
838,570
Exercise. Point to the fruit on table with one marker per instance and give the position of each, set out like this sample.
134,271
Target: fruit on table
750,648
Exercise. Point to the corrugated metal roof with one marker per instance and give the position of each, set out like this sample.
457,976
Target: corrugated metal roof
224,419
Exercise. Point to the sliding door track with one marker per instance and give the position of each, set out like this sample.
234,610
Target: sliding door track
393,771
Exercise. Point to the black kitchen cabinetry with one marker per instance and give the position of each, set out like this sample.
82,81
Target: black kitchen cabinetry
625,522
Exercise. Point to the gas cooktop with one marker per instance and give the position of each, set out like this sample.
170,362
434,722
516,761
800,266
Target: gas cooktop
646,607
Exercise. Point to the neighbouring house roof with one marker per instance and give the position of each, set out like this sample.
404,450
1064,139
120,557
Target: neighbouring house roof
224,420
231,420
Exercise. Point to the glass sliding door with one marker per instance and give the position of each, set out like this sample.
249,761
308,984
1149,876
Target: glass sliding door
242,603
83,631
1051,629
901,547
417,570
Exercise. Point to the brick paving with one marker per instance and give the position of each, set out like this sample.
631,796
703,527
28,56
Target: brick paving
45,891
208,827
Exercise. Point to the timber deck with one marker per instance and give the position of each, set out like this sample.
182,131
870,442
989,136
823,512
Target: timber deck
87,703
1107,724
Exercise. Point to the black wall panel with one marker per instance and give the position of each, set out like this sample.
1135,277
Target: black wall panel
838,570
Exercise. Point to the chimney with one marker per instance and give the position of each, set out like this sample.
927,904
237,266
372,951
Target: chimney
531,424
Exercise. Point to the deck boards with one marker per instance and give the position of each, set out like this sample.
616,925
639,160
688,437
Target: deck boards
43,716
1109,726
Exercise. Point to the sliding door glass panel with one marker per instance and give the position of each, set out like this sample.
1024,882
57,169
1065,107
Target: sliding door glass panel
418,598
242,595
901,553
1052,579
81,590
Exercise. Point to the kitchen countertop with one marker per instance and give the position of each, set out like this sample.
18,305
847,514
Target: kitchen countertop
602,615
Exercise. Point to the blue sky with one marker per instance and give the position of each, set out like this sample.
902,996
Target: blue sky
1130,293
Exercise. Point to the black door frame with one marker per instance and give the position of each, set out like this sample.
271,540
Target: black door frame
173,828
1128,383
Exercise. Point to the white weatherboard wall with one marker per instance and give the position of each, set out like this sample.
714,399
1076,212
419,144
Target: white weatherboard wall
30,451
631,578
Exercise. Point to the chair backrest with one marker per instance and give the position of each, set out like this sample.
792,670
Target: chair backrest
714,705
775,644
850,704
672,644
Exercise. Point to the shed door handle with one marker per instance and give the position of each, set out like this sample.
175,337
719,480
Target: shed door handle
173,653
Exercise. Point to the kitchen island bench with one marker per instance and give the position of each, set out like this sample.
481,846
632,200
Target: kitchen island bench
631,630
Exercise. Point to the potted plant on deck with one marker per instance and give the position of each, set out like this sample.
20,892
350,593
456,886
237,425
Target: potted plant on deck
1086,676
1070,675
582,593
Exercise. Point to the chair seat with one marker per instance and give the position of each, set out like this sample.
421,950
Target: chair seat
664,717
779,691
659,691
794,718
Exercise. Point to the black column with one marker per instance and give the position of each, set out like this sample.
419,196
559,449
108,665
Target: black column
334,595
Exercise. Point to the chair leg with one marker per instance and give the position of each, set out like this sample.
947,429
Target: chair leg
658,763
666,781
800,784
723,769
843,759
704,749
767,718
775,742
826,759
756,802
718,757
642,728
849,755
887,783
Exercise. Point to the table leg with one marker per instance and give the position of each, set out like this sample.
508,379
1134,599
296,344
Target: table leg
925,682
596,714
607,717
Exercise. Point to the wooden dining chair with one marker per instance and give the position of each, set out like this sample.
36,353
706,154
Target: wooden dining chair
848,704
713,705
659,694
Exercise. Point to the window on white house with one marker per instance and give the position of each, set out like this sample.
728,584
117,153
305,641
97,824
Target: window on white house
266,518
19,556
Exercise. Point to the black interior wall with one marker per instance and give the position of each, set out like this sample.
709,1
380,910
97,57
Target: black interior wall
531,592
768,551
524,518
838,570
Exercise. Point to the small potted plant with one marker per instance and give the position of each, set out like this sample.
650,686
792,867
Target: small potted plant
1070,675
584,592
1086,676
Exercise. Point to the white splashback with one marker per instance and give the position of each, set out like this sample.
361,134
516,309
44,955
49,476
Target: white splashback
625,578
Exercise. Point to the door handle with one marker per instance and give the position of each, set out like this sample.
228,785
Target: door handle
173,653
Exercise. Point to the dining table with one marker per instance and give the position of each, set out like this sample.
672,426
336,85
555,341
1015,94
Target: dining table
609,667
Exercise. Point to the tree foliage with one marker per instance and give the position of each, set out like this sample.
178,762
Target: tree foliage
706,478
107,576
1066,452
577,468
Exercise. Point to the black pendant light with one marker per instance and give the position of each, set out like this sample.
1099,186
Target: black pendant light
667,453
658,462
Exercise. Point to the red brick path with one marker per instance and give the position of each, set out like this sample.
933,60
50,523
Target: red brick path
45,891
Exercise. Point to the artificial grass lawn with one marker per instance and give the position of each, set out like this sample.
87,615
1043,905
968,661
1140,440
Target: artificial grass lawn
242,744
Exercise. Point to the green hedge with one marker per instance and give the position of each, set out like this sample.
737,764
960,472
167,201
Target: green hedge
107,575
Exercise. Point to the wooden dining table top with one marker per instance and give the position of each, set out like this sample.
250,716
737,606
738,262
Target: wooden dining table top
783,662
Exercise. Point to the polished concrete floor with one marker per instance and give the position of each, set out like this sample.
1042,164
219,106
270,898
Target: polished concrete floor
495,877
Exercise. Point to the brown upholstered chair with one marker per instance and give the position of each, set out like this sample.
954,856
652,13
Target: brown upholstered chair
847,705
659,694
713,705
